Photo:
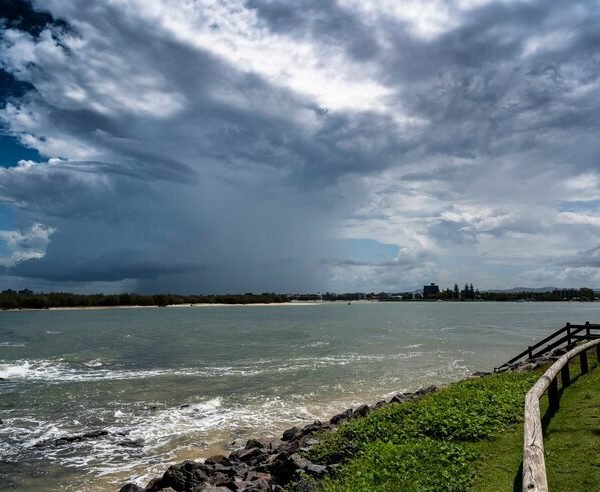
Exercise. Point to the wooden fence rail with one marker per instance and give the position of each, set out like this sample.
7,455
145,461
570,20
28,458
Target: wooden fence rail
567,335
534,467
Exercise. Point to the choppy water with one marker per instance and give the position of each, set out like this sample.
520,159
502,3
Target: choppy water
175,383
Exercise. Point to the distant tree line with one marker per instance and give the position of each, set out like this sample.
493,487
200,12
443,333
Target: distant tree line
10,299
469,293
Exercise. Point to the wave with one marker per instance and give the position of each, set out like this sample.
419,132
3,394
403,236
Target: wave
12,344
95,370
141,436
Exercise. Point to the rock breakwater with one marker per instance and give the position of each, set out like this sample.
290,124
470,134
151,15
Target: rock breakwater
263,465
270,465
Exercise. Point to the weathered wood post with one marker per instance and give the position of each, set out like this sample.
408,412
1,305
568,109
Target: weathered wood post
598,354
553,402
534,467
565,375
529,352
587,329
568,334
583,361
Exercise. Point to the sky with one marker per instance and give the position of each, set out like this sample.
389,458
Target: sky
215,146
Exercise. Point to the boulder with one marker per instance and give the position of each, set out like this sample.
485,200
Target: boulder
252,476
217,458
317,471
361,411
380,404
185,476
284,468
255,443
247,455
131,487
290,434
426,391
400,398
340,418
61,441
132,443
259,485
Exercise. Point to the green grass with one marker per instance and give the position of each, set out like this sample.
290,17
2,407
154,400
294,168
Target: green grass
572,438
571,442
423,445
467,436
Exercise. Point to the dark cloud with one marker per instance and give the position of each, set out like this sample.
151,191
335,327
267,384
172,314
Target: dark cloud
174,155
324,20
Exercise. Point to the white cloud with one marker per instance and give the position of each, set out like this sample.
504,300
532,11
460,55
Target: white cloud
25,244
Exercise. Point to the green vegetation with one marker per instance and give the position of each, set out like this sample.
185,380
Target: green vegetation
424,445
28,300
572,438
467,436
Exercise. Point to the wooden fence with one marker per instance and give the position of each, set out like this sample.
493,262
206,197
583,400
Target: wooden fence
567,335
534,468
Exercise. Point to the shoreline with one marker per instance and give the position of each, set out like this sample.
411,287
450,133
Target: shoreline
266,464
156,306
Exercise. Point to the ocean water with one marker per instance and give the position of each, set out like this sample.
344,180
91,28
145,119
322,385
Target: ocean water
168,384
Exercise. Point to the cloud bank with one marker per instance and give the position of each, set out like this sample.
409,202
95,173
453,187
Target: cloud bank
214,146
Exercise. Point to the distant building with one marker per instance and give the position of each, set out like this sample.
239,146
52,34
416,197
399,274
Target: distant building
430,290
26,292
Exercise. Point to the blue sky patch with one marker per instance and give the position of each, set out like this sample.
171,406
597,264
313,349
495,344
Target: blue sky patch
367,250
11,152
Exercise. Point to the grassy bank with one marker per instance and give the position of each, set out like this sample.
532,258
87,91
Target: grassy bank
467,436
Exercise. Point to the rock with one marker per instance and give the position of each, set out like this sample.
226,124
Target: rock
340,418
524,367
255,443
380,404
246,455
361,411
259,485
274,444
316,426
130,443
185,476
252,476
226,470
400,398
308,443
317,471
426,391
61,441
302,484
222,480
290,434
131,487
217,458
284,468
478,374
153,484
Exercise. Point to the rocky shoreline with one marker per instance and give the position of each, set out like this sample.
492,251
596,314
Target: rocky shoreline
270,465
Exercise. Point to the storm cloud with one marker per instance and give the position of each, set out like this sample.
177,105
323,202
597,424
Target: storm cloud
231,146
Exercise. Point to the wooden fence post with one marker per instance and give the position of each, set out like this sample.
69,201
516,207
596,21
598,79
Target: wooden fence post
597,354
583,361
553,402
568,334
565,375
